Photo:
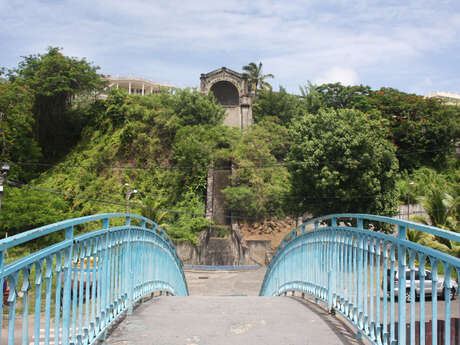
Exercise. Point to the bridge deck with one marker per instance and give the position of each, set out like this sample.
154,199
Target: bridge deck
215,320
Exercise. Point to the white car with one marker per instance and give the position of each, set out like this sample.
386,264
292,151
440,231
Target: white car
428,285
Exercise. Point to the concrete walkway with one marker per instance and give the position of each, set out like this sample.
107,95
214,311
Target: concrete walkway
214,320
224,309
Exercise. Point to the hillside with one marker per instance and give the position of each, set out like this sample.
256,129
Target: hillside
334,149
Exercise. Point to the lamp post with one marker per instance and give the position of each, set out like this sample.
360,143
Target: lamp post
129,193
4,170
408,198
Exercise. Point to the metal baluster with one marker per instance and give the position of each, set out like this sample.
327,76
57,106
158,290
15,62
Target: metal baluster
401,287
13,281
447,287
373,283
378,281
81,294
422,273
58,300
74,296
392,294
66,309
25,304
412,295
48,282
2,281
94,284
366,284
434,300
38,299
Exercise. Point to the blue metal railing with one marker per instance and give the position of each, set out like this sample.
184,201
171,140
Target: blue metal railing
355,272
76,288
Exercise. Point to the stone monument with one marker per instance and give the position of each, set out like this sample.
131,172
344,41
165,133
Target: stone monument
231,90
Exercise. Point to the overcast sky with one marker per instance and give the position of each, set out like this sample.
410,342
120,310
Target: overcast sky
410,45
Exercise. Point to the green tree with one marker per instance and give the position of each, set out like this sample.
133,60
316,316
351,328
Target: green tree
256,77
423,129
259,186
16,128
24,209
338,96
342,163
55,81
280,105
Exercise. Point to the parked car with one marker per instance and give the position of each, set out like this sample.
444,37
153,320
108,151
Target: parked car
440,291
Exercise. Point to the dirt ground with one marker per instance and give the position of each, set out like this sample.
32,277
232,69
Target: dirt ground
273,229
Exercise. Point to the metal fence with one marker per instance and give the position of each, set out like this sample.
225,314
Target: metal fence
71,291
354,269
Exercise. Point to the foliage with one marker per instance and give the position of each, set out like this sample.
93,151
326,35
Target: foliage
423,129
338,96
256,77
259,191
280,105
189,221
346,164
55,80
25,209
16,128
130,130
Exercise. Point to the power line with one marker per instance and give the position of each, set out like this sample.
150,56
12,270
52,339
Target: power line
135,205
214,167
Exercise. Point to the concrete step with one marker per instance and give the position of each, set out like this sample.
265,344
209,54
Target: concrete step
221,320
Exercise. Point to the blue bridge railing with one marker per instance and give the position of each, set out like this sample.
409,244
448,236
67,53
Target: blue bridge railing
71,291
357,272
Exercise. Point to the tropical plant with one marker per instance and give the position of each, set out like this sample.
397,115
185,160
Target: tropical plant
256,77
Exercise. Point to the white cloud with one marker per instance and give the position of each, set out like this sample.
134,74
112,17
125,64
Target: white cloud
344,75
296,40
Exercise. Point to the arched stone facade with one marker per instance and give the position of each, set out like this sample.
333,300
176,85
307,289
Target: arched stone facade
231,90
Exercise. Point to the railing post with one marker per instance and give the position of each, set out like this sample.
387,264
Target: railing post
2,267
329,291
401,287
105,275
129,268
66,299
334,222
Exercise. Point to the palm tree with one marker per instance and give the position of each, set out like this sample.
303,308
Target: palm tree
442,213
256,78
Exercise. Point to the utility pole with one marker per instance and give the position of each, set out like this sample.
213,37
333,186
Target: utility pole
4,170
129,193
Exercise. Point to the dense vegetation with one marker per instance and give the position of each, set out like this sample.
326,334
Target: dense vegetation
335,148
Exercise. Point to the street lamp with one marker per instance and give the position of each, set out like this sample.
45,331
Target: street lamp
4,170
129,193
408,198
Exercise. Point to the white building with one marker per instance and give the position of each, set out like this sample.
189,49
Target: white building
136,86
449,98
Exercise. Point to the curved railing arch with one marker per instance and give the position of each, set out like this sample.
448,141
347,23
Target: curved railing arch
355,272
79,286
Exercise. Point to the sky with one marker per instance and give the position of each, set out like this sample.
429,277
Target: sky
413,46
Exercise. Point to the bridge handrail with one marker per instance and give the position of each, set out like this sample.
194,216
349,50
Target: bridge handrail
51,228
402,224
92,278
354,271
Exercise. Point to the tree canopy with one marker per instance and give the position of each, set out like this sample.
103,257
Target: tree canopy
343,163
55,80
